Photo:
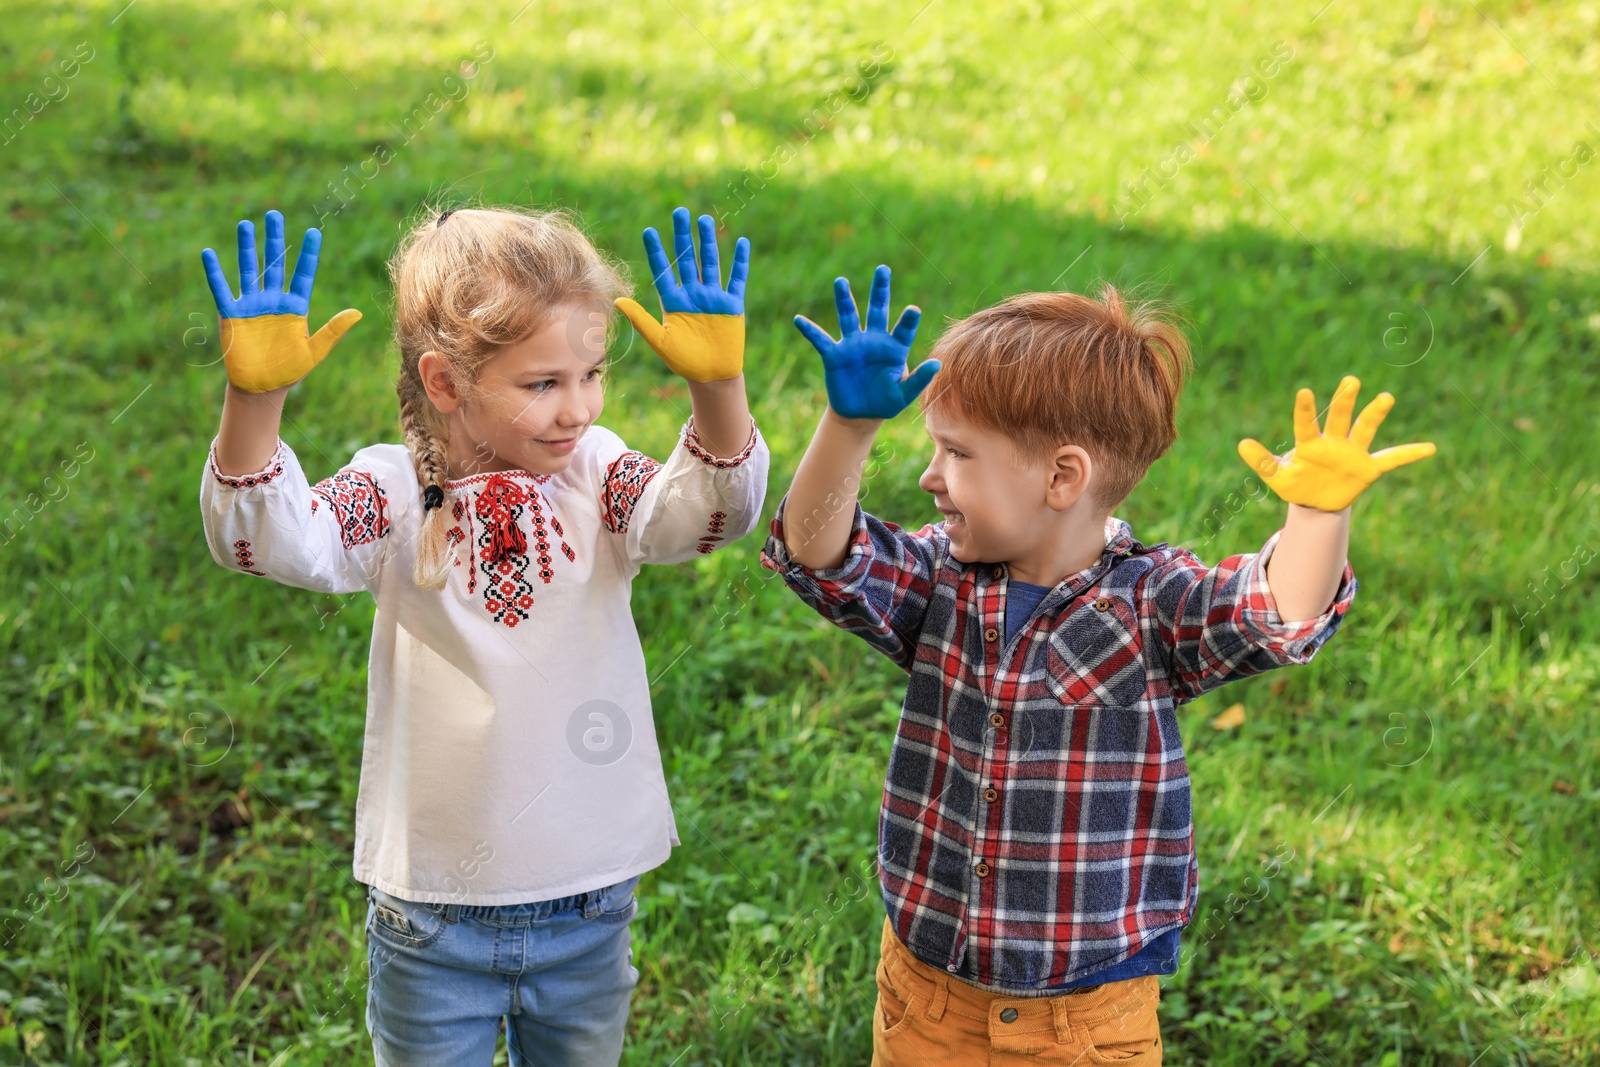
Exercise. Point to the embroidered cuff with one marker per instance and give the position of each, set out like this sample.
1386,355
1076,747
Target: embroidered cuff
1296,641
624,484
691,441
274,468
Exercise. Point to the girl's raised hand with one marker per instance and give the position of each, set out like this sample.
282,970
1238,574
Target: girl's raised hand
701,332
264,335
865,370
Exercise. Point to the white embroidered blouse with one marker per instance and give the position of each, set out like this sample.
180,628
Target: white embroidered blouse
510,752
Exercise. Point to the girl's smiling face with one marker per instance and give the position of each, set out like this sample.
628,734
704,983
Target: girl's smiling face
532,401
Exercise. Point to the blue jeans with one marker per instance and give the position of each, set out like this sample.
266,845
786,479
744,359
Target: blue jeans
441,977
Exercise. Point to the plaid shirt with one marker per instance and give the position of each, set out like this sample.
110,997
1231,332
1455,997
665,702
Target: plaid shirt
1036,823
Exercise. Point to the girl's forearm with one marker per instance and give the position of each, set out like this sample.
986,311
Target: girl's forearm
822,500
248,437
1309,559
721,415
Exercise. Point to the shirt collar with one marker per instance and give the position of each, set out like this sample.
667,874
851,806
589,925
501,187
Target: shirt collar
1119,543
1119,537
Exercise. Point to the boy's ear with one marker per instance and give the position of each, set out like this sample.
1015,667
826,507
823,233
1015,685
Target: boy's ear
435,375
1070,470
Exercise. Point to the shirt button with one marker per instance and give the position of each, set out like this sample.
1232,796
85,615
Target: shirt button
1008,1015
982,869
1102,604
991,794
991,634
997,719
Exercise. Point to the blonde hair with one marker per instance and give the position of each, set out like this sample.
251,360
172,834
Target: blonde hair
467,282
1056,368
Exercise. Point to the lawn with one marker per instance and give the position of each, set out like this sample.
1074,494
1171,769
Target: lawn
1399,847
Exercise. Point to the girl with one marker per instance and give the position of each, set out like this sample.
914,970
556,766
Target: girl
511,790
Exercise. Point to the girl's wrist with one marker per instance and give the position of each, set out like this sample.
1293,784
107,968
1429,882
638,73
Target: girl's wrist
268,400
722,387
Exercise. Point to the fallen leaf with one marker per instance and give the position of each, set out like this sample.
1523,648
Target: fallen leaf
1561,786
1234,716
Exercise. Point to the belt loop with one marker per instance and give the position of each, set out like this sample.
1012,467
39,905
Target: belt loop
1063,1019
451,913
941,994
589,903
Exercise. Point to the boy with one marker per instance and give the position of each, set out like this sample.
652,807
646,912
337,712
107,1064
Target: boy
1035,845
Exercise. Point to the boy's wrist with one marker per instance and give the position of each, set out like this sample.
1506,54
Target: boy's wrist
1303,513
860,428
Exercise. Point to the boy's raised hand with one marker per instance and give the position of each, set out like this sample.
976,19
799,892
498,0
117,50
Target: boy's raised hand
1328,468
264,335
865,370
701,332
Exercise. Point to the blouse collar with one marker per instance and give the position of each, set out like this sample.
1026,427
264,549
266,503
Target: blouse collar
456,485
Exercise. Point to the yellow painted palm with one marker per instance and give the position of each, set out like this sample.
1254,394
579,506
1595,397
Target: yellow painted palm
701,333
265,341
1331,466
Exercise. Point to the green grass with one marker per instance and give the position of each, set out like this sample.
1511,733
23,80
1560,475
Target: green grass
182,745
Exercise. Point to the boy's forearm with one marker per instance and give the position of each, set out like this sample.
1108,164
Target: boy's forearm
822,500
721,415
1308,561
248,437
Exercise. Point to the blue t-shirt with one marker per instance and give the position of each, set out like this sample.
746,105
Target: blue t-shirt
1021,599
1159,956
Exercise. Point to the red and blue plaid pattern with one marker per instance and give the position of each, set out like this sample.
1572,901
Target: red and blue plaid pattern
1036,824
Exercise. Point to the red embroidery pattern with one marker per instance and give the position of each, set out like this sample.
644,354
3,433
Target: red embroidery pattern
359,505
713,534
556,524
691,441
625,480
470,537
249,481
497,542
507,594
502,551
454,535
241,552
542,541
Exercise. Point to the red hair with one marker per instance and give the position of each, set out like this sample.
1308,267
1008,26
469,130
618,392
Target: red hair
1053,369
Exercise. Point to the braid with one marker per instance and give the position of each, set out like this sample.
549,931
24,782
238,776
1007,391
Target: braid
426,439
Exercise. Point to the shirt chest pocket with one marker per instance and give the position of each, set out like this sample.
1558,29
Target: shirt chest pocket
1095,656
